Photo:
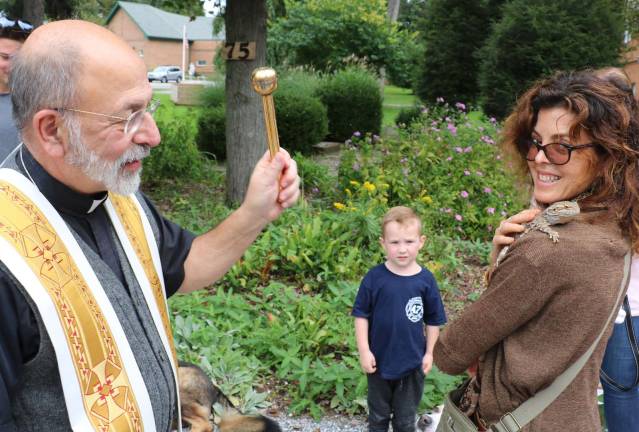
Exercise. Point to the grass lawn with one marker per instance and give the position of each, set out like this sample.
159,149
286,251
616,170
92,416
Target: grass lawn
398,96
165,101
395,98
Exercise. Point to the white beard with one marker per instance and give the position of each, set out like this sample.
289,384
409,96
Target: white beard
111,174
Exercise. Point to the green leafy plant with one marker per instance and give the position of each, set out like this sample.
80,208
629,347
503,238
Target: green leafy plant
211,136
177,156
280,318
301,120
353,101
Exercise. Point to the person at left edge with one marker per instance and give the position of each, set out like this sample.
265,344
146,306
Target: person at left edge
12,35
86,261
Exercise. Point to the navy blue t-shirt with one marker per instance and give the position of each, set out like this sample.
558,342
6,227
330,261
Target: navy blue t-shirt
397,308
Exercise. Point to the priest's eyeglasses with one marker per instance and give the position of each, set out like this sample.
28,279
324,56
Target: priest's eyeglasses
132,122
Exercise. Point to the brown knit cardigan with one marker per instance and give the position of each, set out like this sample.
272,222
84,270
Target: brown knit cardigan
545,305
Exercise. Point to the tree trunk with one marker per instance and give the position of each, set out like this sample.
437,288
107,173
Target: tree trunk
393,10
245,131
33,11
392,13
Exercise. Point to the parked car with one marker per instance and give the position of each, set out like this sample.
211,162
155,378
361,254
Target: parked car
165,74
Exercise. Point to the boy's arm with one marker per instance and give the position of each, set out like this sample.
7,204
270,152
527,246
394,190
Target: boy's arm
432,333
366,357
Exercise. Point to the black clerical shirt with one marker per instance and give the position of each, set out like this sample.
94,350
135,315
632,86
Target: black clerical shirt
86,215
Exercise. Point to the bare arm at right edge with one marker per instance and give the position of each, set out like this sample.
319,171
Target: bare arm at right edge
366,357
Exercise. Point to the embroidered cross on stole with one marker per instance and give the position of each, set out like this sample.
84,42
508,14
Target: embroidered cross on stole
103,387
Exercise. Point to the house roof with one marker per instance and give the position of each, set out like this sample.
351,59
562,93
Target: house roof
158,24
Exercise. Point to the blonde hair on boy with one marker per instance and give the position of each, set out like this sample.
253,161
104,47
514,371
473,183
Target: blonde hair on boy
401,215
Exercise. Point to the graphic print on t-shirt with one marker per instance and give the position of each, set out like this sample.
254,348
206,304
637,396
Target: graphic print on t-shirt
415,309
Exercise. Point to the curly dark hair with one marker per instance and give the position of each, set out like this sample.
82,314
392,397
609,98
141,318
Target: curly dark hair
604,108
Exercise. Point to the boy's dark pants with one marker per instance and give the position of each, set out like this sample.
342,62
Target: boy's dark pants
397,397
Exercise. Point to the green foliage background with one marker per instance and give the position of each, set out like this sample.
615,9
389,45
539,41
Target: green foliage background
535,38
280,318
353,101
452,31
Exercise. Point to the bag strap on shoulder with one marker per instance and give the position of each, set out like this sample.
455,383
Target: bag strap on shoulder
526,412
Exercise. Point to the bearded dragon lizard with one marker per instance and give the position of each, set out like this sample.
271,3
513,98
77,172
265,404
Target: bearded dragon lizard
557,214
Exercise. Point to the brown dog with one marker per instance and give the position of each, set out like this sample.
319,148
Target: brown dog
197,396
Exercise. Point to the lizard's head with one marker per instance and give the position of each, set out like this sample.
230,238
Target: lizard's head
563,209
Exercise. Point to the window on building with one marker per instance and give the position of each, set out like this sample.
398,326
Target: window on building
201,62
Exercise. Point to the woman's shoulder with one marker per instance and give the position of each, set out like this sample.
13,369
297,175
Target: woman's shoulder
594,234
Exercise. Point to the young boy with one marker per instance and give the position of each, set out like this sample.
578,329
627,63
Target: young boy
394,301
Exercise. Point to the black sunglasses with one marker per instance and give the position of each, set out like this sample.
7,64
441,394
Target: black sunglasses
556,153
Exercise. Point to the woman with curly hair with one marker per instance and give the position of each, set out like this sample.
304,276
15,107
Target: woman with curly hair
620,368
576,137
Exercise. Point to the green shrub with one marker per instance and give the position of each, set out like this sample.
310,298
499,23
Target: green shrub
446,166
211,131
453,31
316,181
213,96
526,44
353,101
407,116
300,80
177,156
301,120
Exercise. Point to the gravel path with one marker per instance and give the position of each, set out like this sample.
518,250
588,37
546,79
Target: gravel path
333,424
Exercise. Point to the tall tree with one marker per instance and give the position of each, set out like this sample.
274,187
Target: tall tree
33,11
245,21
323,33
393,10
535,38
453,30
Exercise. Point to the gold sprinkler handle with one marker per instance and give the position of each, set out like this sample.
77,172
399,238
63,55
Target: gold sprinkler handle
264,81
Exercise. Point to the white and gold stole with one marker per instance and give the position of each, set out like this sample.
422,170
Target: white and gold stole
103,387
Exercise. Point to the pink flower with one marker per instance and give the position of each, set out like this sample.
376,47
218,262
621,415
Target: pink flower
487,190
460,106
490,210
487,139
479,173
468,149
466,172
449,158
458,217
459,149
464,194
440,100
451,127
503,213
